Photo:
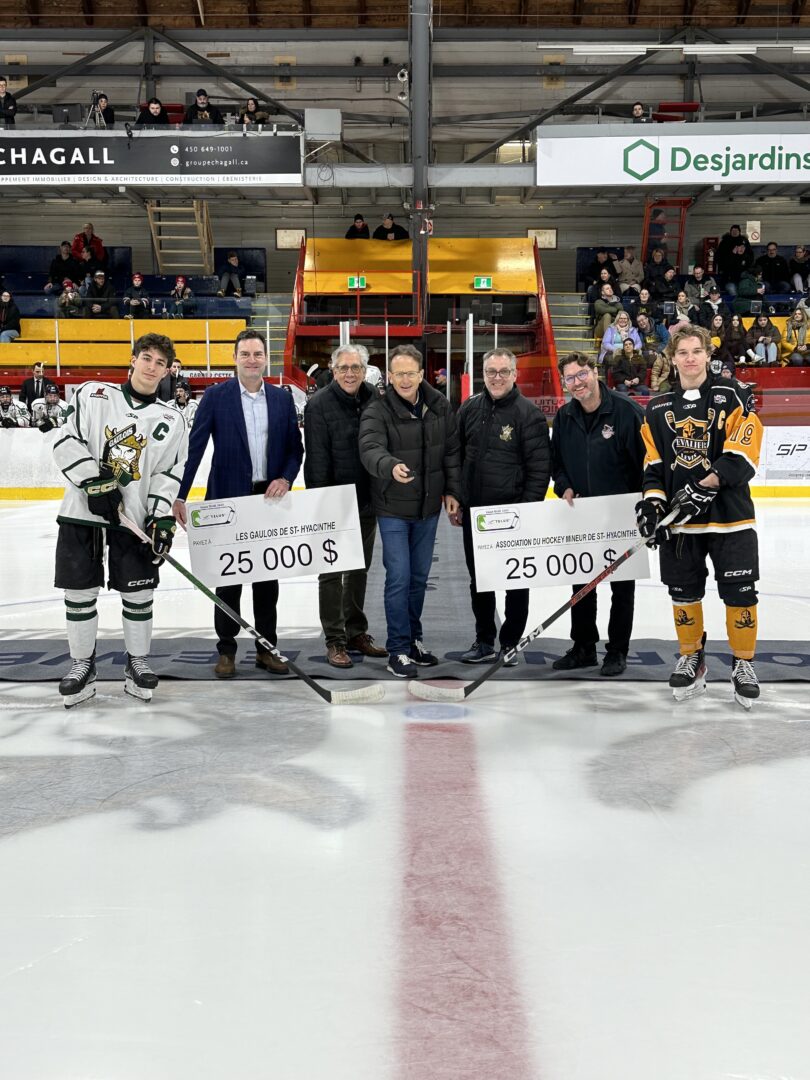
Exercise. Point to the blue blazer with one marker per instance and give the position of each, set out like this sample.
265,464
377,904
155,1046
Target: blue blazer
221,418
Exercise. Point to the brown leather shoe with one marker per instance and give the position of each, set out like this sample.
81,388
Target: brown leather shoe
270,662
364,644
225,667
337,656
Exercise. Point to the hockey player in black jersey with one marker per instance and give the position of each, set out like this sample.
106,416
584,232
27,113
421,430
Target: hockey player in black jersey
703,442
119,448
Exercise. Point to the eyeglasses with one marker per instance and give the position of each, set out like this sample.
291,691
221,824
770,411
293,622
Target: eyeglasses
579,376
345,369
404,374
499,373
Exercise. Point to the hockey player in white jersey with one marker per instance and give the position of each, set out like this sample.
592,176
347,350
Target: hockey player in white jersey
120,448
49,411
13,413
185,403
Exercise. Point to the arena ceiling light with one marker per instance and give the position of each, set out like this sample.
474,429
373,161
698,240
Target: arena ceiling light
707,48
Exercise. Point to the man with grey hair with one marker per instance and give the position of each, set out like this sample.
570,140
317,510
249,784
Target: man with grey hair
331,439
505,458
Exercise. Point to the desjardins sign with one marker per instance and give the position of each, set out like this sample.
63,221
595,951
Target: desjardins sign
643,159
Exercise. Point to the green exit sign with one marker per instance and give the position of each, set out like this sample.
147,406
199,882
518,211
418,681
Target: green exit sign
357,281
482,282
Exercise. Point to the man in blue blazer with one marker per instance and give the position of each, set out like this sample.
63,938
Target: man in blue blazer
257,451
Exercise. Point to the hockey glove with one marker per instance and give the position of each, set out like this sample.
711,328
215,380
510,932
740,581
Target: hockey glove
103,495
648,514
161,533
8,422
692,500
45,425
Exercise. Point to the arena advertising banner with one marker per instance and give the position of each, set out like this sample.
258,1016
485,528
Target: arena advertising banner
537,545
785,457
234,541
646,156
200,159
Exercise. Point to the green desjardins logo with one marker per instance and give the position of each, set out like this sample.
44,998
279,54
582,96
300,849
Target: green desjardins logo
642,159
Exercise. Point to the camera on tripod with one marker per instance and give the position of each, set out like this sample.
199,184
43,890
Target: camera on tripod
95,114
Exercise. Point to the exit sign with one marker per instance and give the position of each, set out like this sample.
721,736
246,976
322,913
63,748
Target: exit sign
482,282
357,281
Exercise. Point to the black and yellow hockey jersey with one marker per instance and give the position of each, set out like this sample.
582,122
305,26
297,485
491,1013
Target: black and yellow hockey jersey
690,433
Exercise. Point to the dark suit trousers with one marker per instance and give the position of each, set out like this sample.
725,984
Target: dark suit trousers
584,630
341,597
516,610
265,600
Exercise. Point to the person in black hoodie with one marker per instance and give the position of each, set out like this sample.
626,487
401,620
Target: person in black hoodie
597,449
154,115
504,459
203,112
409,445
9,318
99,300
775,270
332,456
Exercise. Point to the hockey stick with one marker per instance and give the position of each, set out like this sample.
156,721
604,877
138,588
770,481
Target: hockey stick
362,696
447,693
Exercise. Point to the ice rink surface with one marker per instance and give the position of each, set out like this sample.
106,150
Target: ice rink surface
578,881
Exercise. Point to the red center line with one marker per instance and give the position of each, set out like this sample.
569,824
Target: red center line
461,1016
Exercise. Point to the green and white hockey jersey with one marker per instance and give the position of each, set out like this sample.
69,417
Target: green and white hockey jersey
144,444
56,412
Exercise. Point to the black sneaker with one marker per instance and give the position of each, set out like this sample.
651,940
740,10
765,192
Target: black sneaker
478,653
514,658
419,655
401,665
613,664
578,656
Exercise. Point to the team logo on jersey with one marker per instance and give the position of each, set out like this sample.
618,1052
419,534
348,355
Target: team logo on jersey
683,618
691,442
99,393
506,433
746,621
607,432
122,452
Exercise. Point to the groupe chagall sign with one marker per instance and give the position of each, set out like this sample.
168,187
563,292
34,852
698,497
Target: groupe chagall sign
638,156
195,159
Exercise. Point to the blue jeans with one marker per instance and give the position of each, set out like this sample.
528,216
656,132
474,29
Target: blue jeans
407,556
8,336
766,352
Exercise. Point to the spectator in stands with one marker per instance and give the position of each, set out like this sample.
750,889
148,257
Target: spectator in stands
630,272
154,115
639,113
203,112
358,230
252,114
389,230
137,304
105,111
797,340
593,273
63,265
232,276
182,304
730,242
70,304
595,291
667,288
733,339
9,318
762,341
614,337
711,306
698,285
630,371
739,260
99,300
87,241
655,269
750,287
662,374
653,337
657,232
13,414
646,305
605,310
34,386
167,387
799,267
685,313
775,270
8,105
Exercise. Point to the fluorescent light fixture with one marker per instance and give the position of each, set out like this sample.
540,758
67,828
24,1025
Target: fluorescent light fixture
609,49
801,48
705,48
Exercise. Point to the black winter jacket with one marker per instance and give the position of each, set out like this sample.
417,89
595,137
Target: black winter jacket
505,453
332,440
608,459
390,434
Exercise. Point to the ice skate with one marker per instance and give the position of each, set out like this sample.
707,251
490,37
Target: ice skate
689,677
80,682
139,679
744,682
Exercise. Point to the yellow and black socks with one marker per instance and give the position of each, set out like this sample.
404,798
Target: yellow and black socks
741,626
689,626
